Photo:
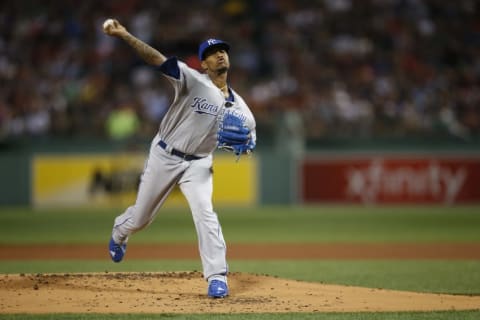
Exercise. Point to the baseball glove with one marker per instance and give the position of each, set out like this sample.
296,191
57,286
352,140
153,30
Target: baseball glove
234,136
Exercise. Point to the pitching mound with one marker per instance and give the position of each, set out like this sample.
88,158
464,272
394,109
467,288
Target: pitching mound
185,292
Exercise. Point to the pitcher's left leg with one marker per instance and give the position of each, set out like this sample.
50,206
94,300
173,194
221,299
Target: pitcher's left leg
196,185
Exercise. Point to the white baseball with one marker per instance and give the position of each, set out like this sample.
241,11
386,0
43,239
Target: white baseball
107,23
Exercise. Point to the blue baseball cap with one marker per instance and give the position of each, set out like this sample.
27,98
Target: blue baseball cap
209,43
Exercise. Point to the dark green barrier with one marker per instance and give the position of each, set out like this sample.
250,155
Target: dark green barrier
15,179
277,180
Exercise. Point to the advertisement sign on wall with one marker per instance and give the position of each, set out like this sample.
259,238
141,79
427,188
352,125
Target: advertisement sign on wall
390,179
111,180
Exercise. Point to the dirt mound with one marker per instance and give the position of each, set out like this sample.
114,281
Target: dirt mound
185,292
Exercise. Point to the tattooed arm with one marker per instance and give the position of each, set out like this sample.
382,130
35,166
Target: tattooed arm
146,52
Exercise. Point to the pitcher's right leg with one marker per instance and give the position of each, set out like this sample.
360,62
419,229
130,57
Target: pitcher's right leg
162,171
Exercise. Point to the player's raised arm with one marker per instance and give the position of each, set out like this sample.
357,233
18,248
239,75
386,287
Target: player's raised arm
150,55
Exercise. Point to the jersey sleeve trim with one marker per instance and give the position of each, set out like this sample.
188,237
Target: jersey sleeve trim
170,68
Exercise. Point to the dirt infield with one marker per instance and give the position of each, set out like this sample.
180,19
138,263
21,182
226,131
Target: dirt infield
251,251
184,292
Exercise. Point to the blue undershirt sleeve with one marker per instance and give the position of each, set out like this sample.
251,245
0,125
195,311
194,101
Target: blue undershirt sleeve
170,68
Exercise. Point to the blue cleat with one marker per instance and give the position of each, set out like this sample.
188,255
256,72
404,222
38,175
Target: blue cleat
217,289
117,251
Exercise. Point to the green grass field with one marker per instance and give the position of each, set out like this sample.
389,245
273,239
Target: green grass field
266,225
319,224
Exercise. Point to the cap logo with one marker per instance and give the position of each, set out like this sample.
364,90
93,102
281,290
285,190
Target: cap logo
211,41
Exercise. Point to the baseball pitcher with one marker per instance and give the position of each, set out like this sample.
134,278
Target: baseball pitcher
205,114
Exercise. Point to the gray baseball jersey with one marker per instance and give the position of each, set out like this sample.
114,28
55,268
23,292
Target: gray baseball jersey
190,125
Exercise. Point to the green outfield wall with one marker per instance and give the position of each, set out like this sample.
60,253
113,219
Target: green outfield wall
272,178
15,179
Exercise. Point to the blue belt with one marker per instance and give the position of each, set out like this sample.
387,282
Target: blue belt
180,154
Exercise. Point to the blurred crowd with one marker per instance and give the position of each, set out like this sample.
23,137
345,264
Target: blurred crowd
307,68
